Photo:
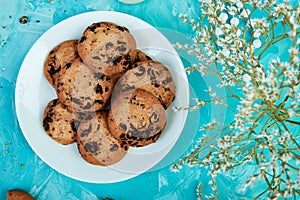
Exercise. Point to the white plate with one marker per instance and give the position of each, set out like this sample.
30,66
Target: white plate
33,92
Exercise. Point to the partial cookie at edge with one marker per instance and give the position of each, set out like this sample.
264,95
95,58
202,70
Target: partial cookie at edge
58,123
58,58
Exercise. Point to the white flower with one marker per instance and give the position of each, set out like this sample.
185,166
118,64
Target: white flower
219,31
245,13
257,33
234,21
239,4
223,17
256,43
286,157
232,10
291,112
247,78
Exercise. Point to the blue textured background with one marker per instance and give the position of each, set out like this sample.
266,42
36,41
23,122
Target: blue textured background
19,165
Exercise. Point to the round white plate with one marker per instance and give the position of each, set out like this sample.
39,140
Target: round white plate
33,92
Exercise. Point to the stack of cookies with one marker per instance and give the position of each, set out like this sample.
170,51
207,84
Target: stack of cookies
110,95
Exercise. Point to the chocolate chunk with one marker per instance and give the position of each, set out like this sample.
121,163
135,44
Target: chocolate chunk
123,126
113,147
82,39
85,132
99,89
68,65
92,147
121,48
109,45
121,42
141,71
23,20
96,58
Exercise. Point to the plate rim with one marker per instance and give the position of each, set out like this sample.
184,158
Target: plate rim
17,96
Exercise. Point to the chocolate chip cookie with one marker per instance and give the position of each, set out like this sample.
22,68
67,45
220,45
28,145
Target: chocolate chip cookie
151,76
82,90
103,43
95,143
136,118
58,58
125,62
58,123
17,194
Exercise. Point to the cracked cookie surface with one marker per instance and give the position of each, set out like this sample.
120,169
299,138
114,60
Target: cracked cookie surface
103,43
136,118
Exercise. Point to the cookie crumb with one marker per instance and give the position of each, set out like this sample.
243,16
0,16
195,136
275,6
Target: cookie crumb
23,20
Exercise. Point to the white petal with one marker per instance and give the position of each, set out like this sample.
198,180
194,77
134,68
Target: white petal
219,31
246,78
234,21
223,17
256,43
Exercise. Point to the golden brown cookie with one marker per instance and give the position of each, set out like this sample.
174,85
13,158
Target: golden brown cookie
102,43
82,90
18,195
95,143
136,118
151,76
58,123
125,62
58,58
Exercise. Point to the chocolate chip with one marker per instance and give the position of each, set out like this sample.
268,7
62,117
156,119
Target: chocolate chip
93,27
23,20
82,39
109,45
113,147
85,132
46,125
99,89
117,60
96,58
123,126
76,101
68,65
74,125
120,42
99,102
121,28
167,80
141,71
121,48
87,106
99,76
92,147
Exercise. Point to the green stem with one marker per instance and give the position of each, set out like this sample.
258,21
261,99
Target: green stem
293,122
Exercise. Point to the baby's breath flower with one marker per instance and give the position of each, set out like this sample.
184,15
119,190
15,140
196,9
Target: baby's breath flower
232,45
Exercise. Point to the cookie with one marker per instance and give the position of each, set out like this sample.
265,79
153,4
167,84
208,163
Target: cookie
18,195
58,123
125,62
151,76
95,143
136,118
58,58
82,90
101,45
